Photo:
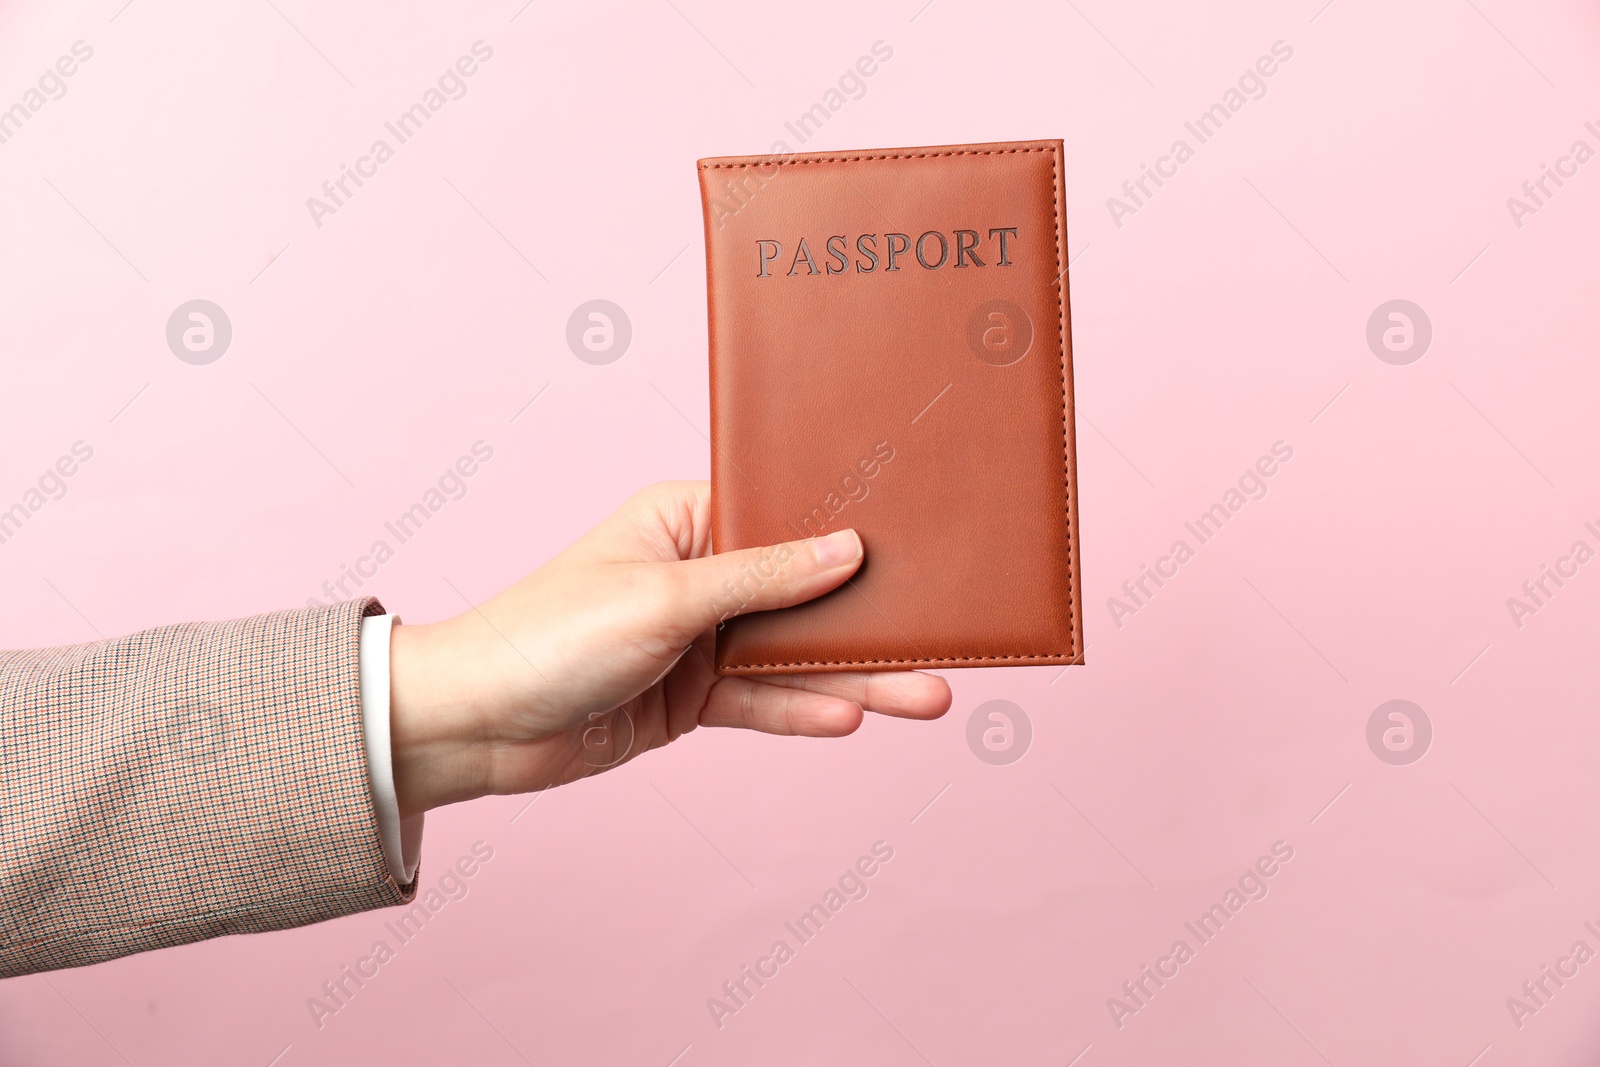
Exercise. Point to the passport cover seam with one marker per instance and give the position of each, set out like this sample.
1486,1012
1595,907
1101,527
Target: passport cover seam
763,162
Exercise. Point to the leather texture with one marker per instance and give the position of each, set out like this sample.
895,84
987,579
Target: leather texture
890,351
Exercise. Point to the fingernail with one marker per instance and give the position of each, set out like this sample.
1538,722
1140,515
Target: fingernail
837,549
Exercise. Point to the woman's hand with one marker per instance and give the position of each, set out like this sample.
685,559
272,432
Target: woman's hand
606,651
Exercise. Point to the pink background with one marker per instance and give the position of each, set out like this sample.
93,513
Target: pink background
1228,313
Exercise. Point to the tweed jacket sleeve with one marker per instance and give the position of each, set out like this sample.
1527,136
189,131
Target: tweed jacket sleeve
185,783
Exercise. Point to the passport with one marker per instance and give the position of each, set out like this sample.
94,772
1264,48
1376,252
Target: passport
890,351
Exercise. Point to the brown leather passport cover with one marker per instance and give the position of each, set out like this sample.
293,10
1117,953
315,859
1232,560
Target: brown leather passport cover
890,351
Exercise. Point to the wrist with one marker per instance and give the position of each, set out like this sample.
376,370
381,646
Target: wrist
436,757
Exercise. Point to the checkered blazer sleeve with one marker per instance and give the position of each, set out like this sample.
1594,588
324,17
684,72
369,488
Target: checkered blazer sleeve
185,783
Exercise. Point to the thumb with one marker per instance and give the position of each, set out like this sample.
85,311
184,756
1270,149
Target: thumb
720,586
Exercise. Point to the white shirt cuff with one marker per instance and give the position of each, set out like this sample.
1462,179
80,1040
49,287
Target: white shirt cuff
402,841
